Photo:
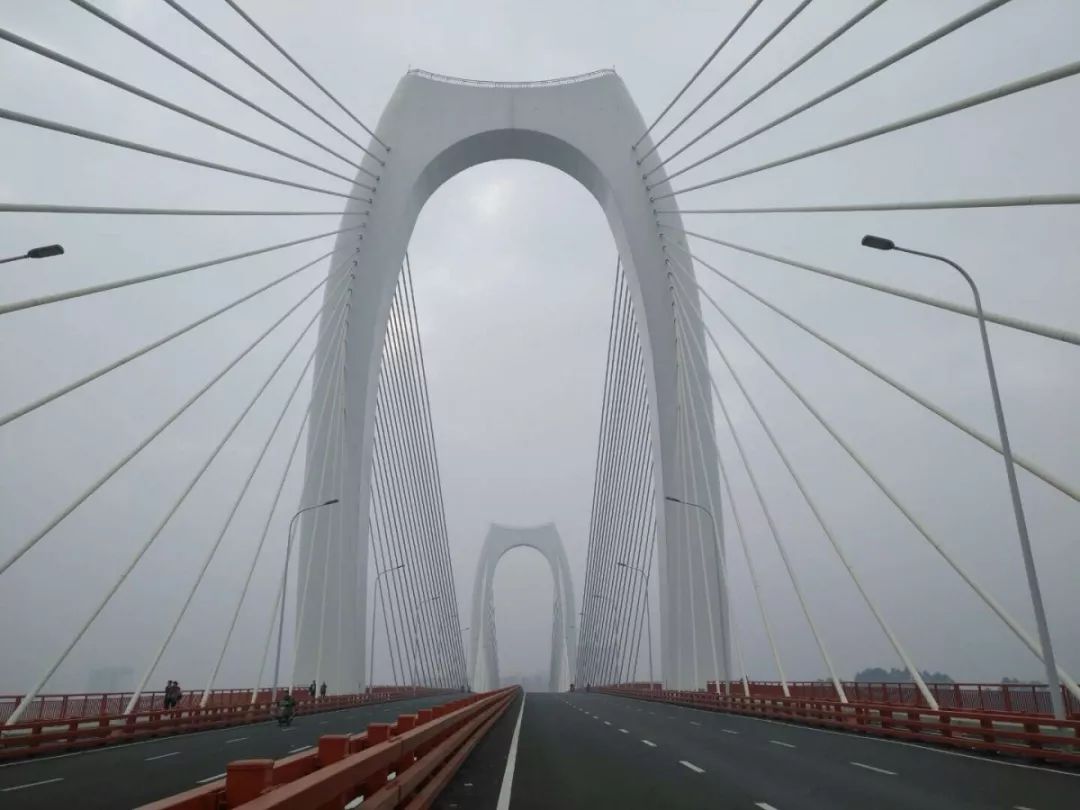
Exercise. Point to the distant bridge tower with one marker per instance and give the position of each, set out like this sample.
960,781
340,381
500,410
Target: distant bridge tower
483,658
438,127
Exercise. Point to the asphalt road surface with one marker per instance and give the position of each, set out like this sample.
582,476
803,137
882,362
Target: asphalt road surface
595,751
127,776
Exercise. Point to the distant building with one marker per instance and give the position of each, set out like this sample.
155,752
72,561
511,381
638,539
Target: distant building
111,679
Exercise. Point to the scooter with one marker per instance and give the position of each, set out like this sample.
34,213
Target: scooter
284,716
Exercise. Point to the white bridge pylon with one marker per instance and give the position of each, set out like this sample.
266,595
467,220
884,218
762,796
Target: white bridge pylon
483,656
438,127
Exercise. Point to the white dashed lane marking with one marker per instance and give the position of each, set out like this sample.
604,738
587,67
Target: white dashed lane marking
623,731
781,742
764,806
235,739
695,723
162,756
649,743
691,766
729,731
299,749
872,768
31,784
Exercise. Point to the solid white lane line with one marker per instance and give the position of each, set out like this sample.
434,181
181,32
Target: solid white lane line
31,784
872,768
235,739
691,766
161,756
623,731
781,742
764,806
213,778
299,749
511,762
729,731
649,743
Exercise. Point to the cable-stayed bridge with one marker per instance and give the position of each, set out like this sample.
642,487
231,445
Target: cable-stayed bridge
335,536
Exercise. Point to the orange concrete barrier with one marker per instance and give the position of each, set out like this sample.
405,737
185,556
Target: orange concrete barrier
1032,737
406,764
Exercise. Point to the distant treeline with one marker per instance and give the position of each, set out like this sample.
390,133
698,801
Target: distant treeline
879,675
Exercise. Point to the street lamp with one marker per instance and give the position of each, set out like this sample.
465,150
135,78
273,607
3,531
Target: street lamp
648,613
285,582
716,565
42,252
374,614
1052,681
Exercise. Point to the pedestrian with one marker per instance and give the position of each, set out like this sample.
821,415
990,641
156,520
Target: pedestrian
322,689
311,689
177,694
170,695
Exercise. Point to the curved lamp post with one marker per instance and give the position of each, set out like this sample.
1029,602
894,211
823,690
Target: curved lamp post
1052,681
285,582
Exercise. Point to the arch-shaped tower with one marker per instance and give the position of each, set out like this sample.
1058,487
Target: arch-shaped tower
483,661
437,127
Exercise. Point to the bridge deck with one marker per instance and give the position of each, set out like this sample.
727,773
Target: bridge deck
584,750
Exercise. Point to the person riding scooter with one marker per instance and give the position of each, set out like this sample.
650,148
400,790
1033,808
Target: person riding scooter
286,708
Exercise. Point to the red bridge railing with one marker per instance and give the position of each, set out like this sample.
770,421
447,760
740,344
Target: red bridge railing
983,697
406,764
55,735
95,704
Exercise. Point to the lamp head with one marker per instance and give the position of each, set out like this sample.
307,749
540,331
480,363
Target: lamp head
331,501
45,251
878,242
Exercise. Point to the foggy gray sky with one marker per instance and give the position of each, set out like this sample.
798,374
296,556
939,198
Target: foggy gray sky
513,265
